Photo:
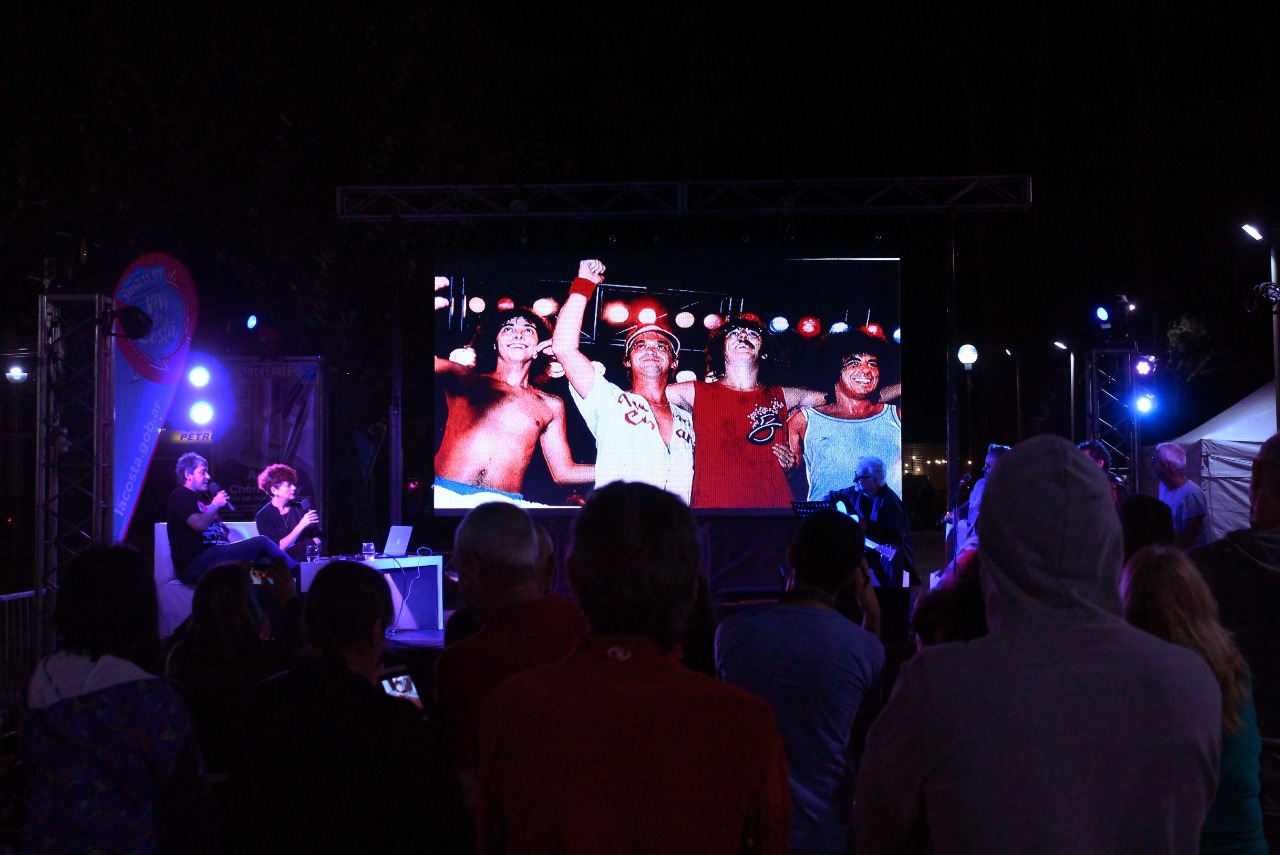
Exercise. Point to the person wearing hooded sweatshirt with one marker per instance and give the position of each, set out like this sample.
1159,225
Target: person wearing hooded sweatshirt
1243,572
1064,729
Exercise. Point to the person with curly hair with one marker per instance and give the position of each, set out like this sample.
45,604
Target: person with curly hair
282,519
497,415
740,419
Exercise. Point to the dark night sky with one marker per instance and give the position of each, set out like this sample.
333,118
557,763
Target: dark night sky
219,136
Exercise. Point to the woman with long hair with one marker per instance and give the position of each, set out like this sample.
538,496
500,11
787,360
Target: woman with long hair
1164,594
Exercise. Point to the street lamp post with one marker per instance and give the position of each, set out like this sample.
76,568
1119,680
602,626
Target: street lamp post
1071,383
1271,292
968,354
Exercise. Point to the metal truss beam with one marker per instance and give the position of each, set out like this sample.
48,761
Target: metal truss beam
73,436
1111,419
711,199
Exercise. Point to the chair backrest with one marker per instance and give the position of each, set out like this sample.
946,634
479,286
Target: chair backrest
163,558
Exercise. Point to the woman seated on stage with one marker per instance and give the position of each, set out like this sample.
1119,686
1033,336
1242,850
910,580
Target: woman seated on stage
283,519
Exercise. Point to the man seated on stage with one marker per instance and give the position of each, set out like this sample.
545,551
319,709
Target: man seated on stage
619,748
742,455
884,519
639,435
198,539
282,519
813,666
497,416
857,421
496,556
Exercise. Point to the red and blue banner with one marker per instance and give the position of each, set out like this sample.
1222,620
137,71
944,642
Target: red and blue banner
145,372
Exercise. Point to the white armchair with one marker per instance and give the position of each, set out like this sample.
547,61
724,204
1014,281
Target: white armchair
173,595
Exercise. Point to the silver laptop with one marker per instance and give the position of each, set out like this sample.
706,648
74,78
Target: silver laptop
397,542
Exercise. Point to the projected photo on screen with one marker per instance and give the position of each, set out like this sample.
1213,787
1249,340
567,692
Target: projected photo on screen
736,380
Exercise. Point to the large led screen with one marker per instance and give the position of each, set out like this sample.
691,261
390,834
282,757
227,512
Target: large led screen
736,380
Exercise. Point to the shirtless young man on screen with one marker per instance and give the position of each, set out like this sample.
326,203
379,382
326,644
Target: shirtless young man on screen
497,416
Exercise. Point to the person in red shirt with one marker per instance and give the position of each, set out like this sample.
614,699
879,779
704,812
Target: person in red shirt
496,555
619,748
742,453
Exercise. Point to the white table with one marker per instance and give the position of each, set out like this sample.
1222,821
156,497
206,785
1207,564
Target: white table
417,589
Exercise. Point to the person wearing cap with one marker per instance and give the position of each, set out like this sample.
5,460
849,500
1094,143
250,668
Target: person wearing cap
639,435
743,455
497,416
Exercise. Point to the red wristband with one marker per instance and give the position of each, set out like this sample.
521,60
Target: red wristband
585,287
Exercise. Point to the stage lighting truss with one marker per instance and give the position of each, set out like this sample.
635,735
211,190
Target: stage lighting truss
1113,396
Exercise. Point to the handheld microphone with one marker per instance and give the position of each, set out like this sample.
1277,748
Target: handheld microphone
214,490
306,506
966,479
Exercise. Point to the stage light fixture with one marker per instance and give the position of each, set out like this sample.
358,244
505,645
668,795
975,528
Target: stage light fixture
839,327
1145,403
545,307
1103,314
442,282
1145,366
967,354
897,335
201,412
15,374
684,320
809,326
873,329
750,316
198,376
505,304
647,316
1060,345
616,313
712,322
1252,231
475,304
779,324
251,322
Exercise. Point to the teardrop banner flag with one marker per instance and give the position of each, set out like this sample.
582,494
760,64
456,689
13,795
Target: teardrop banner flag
146,371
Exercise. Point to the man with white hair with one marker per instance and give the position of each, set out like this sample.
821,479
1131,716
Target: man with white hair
1183,496
1064,729
496,557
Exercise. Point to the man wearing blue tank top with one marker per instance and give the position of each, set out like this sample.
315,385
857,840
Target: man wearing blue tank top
857,423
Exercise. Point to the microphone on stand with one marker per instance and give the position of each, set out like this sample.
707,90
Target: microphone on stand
214,490
306,506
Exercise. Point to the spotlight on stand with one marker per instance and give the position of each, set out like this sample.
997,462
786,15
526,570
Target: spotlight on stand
201,412
134,323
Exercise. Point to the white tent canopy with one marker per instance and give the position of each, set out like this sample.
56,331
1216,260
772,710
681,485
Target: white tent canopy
1220,456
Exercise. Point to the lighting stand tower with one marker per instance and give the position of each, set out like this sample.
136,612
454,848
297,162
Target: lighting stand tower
74,411
1111,418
